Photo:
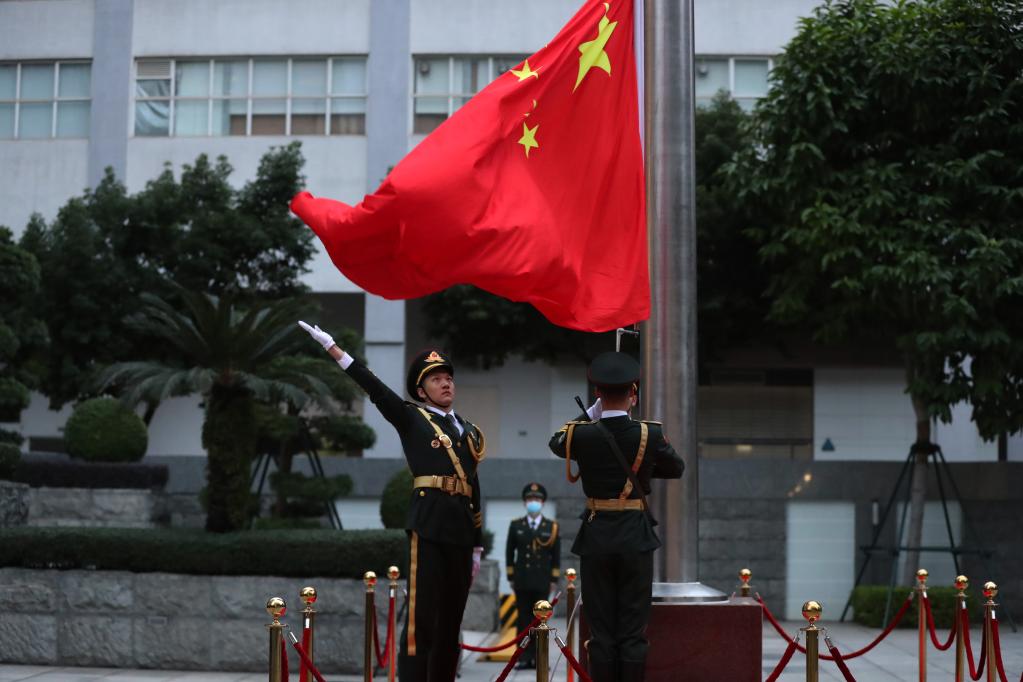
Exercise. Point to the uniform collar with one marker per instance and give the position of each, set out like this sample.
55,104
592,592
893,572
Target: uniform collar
611,414
437,410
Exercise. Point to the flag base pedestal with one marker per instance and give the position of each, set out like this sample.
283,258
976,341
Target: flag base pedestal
699,634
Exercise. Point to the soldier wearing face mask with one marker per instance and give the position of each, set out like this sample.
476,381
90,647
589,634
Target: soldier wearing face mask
533,560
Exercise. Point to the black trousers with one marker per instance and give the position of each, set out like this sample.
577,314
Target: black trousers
617,589
438,583
524,600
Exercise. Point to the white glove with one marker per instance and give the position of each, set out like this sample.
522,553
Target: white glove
477,554
595,410
321,337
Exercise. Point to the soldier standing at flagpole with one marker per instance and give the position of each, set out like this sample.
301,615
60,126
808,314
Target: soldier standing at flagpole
532,560
443,451
617,456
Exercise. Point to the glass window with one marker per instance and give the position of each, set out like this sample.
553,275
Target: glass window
37,81
72,119
191,117
230,116
35,121
745,79
8,81
270,78
711,78
192,79
75,81
6,121
308,78
348,76
40,100
443,84
230,78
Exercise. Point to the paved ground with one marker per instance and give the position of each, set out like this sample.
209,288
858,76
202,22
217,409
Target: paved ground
894,659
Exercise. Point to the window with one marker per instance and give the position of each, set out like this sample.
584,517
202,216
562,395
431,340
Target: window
443,84
744,78
254,96
40,100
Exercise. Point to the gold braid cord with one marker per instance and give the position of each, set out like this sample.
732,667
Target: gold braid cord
478,447
572,478
538,543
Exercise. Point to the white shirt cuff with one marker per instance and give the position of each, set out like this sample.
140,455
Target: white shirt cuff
345,360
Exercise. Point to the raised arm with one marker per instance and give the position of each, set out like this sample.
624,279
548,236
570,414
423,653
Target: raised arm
387,401
668,463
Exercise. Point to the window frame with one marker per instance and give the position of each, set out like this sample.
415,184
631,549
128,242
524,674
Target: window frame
732,59
54,100
210,98
451,95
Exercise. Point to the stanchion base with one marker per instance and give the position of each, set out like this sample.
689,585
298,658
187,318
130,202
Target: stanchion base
699,641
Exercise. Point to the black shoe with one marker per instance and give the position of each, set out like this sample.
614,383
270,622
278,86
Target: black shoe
525,665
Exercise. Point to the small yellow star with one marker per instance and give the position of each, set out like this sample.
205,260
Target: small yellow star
526,72
592,52
528,139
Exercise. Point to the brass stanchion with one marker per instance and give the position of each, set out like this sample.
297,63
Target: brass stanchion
392,650
961,584
812,612
744,577
542,610
570,576
370,579
990,592
308,597
276,607
921,615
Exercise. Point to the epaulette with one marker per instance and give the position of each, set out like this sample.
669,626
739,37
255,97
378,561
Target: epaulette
651,421
577,422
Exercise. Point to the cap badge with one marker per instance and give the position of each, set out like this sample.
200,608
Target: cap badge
534,487
434,356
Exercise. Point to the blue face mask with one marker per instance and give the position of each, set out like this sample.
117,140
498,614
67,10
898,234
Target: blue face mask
534,506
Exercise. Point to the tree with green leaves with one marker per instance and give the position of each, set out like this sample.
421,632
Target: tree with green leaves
108,247
235,358
887,169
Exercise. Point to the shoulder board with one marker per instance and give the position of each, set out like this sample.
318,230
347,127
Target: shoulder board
409,403
577,422
651,421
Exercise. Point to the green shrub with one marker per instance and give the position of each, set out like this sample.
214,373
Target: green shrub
394,502
10,455
104,430
868,605
311,488
14,398
295,553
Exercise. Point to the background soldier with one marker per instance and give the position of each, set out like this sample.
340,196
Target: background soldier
444,520
617,456
533,560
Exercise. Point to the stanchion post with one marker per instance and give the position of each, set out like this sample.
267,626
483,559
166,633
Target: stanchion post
308,596
570,576
744,577
990,592
392,650
370,580
812,612
921,615
541,633
961,584
276,607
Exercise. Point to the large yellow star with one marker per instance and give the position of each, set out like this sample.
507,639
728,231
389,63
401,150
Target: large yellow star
593,54
526,72
528,139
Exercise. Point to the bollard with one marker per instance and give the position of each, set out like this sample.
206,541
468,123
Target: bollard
542,610
990,592
370,579
276,607
921,615
570,576
744,576
392,649
308,597
812,612
961,584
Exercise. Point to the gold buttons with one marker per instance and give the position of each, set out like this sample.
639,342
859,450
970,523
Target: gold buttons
470,506
422,493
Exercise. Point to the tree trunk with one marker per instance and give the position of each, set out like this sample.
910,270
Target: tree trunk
917,491
230,443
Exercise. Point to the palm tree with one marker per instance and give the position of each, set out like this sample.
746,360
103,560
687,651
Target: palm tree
232,357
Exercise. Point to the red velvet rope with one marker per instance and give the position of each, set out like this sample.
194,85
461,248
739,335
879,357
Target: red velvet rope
933,632
837,655
308,663
381,652
284,661
583,677
785,658
856,654
511,642
307,634
998,652
511,663
975,673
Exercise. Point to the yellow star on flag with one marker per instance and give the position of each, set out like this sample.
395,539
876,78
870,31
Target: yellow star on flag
528,139
593,54
526,72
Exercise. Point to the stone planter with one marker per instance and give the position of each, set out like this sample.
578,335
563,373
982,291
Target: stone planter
13,504
188,622
94,507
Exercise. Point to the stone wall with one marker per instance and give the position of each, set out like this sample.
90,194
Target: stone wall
13,504
187,622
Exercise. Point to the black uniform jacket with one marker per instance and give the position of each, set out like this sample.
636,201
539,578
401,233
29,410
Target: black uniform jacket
616,532
434,514
533,558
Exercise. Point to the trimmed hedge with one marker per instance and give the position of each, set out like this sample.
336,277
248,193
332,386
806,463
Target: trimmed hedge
868,605
396,499
43,471
294,553
10,455
104,430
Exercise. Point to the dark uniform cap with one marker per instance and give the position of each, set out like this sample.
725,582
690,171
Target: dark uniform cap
614,369
424,363
534,490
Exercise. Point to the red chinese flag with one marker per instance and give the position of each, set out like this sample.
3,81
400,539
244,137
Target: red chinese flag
533,190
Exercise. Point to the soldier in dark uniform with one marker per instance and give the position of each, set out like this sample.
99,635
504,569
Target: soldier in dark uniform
533,560
443,451
616,541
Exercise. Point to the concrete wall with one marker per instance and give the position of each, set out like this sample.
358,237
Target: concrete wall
487,27
39,176
46,29
740,27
